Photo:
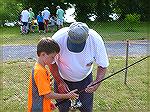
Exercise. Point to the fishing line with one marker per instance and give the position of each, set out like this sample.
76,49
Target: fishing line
78,92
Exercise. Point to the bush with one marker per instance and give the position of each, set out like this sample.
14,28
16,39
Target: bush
10,11
132,20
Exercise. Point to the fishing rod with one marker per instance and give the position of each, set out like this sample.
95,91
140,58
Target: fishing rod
78,92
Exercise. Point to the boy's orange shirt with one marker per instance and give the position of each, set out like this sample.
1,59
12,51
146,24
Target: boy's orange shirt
39,85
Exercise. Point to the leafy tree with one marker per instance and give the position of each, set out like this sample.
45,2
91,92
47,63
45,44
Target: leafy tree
145,6
131,20
10,10
38,5
141,7
83,11
83,8
103,9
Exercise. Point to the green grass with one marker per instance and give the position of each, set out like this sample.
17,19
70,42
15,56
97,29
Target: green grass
12,36
117,31
112,96
109,31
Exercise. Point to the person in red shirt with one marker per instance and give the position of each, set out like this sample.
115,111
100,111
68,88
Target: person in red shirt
39,90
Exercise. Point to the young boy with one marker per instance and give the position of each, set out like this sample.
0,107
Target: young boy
52,23
39,91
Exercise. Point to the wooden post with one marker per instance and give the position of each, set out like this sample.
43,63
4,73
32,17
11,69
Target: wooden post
126,70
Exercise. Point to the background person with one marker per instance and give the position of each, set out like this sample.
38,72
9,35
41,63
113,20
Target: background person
39,91
31,19
79,48
60,17
40,20
25,19
52,23
46,15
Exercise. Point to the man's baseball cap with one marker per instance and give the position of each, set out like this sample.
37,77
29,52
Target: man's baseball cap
77,36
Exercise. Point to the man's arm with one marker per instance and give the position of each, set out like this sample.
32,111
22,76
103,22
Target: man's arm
62,86
100,75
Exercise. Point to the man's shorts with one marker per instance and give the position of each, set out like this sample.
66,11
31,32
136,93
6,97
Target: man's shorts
25,23
60,21
85,98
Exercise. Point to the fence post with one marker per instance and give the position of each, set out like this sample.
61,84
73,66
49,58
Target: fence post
126,70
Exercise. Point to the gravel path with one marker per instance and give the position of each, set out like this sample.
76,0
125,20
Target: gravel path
116,48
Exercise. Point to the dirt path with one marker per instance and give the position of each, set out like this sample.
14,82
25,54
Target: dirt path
114,48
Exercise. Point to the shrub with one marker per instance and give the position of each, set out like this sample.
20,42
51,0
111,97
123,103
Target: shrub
132,20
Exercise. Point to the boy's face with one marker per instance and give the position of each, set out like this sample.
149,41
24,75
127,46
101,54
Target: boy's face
48,59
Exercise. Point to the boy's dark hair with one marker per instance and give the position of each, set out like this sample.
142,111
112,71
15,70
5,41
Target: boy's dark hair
48,46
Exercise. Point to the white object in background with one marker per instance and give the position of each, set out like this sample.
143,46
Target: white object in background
69,16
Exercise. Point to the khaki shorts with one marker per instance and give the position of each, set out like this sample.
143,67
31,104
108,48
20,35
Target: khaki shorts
60,21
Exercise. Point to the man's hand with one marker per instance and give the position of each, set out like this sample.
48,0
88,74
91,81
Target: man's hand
100,75
90,88
63,88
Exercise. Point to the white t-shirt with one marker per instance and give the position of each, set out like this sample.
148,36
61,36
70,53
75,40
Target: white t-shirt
77,66
25,16
46,14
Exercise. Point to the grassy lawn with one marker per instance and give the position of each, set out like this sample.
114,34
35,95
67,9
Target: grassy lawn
112,96
109,31
117,31
12,36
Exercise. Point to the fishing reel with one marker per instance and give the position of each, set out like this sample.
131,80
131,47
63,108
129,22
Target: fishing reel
75,104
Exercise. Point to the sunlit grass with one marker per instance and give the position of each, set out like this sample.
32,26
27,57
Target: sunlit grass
112,96
109,31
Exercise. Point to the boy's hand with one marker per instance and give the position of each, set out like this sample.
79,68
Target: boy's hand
53,107
73,95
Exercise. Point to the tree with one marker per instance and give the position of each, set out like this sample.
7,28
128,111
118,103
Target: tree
10,10
82,11
82,8
131,20
145,15
141,7
38,5
103,9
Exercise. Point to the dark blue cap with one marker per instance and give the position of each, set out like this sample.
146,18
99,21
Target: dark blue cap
77,36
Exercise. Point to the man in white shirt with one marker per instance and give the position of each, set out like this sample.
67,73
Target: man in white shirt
79,48
46,16
60,17
25,19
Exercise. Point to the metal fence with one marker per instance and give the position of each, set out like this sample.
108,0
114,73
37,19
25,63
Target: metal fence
127,91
